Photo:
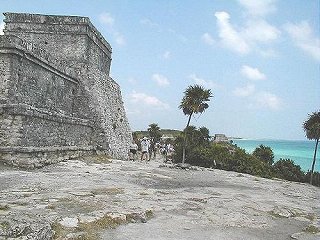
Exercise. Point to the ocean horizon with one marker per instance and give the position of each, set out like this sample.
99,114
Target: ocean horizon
300,151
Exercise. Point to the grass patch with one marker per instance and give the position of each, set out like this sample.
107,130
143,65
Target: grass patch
312,229
149,214
96,158
51,206
102,158
71,205
4,225
108,191
310,216
143,193
91,230
4,207
276,215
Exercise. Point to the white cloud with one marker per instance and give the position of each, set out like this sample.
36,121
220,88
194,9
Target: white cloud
244,91
166,55
259,100
207,38
268,53
268,100
107,20
159,28
161,80
304,37
142,98
200,81
1,28
130,111
252,73
255,33
260,31
229,36
132,80
259,7
148,22
120,40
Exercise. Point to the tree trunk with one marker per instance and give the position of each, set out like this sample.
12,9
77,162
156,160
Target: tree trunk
185,141
314,160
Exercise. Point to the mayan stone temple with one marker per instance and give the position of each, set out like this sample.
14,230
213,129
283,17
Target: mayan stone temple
57,100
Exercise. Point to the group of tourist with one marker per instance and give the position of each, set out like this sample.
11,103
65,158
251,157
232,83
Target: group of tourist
149,149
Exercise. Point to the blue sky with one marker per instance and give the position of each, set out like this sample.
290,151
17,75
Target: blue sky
260,59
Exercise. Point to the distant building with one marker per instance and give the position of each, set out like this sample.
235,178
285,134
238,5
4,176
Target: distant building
167,136
220,138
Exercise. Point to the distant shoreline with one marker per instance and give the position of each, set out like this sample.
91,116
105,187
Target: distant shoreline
268,139
300,151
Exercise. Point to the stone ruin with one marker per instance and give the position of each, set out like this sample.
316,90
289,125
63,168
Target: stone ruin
57,99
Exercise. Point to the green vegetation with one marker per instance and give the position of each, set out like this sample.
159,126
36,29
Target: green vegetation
312,229
312,129
202,152
264,153
286,169
194,101
315,178
154,132
4,207
163,132
91,230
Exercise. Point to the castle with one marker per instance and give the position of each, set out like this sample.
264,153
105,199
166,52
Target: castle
57,100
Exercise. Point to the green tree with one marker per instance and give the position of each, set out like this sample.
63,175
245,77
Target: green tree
194,101
264,153
154,132
286,169
135,136
312,128
204,133
195,138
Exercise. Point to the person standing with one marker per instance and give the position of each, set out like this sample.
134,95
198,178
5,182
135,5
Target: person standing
169,152
133,150
145,149
152,149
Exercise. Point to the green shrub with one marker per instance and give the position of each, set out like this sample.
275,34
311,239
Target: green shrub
315,180
286,169
264,153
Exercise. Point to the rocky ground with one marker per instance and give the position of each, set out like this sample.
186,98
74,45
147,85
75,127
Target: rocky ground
120,200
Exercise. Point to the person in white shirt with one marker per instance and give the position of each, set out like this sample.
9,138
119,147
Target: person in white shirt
145,149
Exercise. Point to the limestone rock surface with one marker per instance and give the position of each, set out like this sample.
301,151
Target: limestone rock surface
119,200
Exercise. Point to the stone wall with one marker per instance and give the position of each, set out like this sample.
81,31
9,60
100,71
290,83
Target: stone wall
56,95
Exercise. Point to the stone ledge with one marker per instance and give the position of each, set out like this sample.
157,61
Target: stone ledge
10,44
27,110
55,20
30,157
20,149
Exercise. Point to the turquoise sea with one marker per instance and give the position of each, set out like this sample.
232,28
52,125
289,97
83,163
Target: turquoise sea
301,152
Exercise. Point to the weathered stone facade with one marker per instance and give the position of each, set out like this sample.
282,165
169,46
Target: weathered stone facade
57,100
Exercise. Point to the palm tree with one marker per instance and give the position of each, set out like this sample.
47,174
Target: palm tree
194,101
312,128
154,132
